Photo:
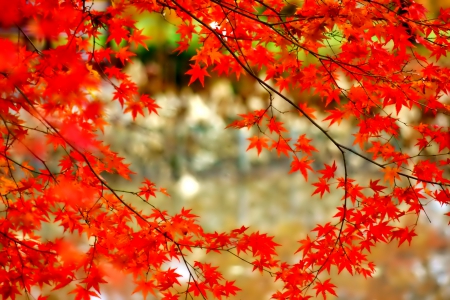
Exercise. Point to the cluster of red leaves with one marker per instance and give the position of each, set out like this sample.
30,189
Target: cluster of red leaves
49,107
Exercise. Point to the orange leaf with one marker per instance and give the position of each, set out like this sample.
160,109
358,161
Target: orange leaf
324,287
124,55
302,165
138,38
258,143
390,174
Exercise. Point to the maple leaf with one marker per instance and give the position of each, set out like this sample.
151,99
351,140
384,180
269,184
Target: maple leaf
9,290
336,116
307,245
303,144
83,294
439,51
283,83
416,11
223,67
186,30
198,289
345,264
375,187
138,38
117,31
94,279
301,165
101,55
124,55
333,95
442,197
275,126
148,189
307,110
329,171
214,56
56,141
404,234
258,143
197,72
322,187
169,296
150,104
183,45
164,191
237,69
200,57
113,72
124,92
229,288
145,287
135,108
324,287
282,146
27,169
390,174
249,119
360,139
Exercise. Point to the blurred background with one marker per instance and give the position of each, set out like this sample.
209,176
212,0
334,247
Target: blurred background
204,166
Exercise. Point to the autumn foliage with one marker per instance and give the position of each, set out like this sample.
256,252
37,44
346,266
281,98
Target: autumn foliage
370,62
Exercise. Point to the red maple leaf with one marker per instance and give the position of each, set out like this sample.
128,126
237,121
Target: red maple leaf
135,108
303,144
138,38
258,143
197,72
301,165
375,187
145,287
324,288
275,126
149,103
403,235
124,55
322,187
282,146
329,171
390,174
83,294
148,189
